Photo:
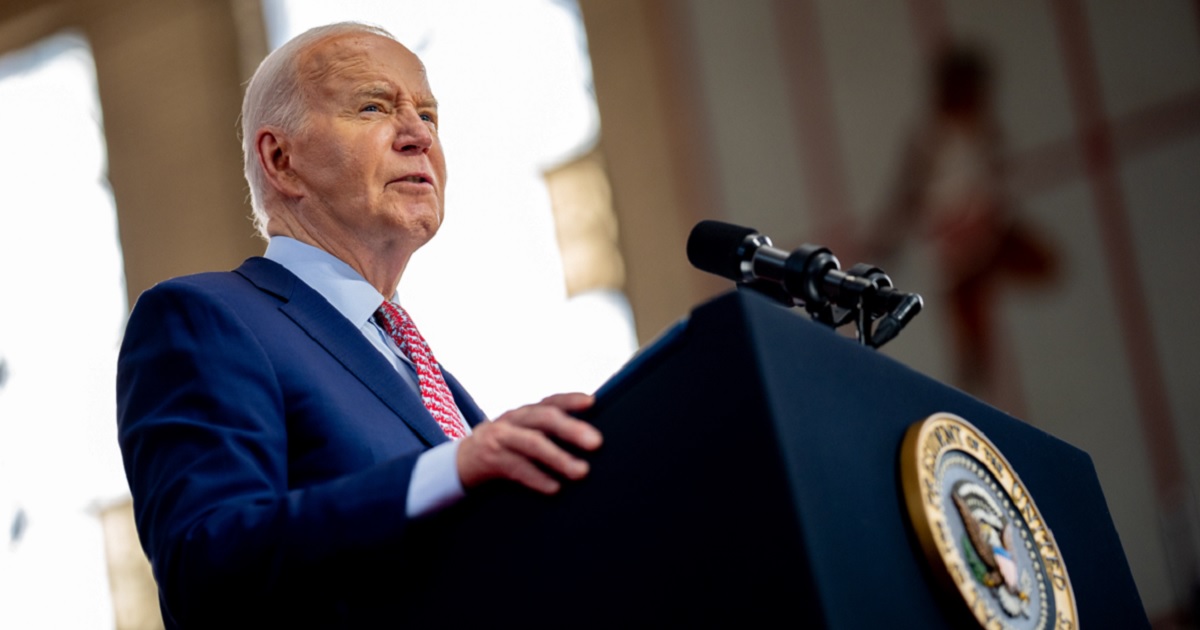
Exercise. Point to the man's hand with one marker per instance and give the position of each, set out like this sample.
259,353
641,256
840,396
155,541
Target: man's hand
518,446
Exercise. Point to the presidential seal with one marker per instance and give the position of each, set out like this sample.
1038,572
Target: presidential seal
980,530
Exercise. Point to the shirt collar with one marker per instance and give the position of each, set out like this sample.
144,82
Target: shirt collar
336,281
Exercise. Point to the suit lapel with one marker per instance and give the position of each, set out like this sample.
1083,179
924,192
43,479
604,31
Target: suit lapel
332,331
471,411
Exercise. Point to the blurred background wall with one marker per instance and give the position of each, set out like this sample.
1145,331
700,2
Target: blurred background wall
799,117
811,120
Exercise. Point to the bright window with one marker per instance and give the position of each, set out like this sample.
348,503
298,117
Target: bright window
62,304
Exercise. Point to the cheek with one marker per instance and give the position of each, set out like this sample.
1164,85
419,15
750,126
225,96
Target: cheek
438,162
346,159
330,163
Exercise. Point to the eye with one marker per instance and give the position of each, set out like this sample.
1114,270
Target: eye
372,107
429,118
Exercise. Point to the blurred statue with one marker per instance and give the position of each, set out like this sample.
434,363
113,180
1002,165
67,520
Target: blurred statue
951,190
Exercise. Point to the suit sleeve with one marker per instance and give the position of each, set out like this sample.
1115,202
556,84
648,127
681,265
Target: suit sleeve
202,428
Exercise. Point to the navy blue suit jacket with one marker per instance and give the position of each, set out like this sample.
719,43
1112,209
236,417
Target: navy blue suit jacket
268,447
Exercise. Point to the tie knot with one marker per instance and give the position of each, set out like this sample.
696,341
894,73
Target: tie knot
399,326
392,311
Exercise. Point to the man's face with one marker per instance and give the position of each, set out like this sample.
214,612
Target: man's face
368,154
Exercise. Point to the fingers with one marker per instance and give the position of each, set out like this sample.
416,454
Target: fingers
570,402
550,418
520,445
531,441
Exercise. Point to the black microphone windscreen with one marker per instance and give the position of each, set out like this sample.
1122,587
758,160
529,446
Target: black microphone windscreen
716,247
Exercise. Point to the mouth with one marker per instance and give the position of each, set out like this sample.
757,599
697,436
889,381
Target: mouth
416,178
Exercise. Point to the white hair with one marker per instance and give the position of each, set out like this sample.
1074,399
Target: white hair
275,97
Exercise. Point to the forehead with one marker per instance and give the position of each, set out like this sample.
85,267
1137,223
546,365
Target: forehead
358,59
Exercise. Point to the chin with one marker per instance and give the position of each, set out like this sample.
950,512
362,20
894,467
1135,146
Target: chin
418,228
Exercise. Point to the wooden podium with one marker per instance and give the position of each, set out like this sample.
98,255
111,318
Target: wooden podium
750,474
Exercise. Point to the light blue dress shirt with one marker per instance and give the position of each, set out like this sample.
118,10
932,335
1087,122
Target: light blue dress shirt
435,483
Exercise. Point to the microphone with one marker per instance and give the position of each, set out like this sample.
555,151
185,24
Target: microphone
724,249
810,275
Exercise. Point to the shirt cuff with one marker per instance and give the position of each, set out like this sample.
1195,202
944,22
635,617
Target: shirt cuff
435,483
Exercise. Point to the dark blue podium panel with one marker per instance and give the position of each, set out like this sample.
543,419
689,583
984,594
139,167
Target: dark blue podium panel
750,473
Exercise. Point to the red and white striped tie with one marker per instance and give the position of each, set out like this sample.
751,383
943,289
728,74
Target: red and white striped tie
434,392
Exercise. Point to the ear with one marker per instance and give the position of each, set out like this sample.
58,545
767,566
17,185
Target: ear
273,151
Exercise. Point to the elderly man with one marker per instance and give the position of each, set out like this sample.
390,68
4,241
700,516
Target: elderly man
283,424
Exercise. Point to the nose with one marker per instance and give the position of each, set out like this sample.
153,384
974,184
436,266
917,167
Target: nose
413,134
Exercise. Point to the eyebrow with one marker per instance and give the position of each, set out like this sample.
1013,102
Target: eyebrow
376,90
388,91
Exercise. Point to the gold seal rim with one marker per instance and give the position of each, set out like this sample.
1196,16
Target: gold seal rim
922,449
